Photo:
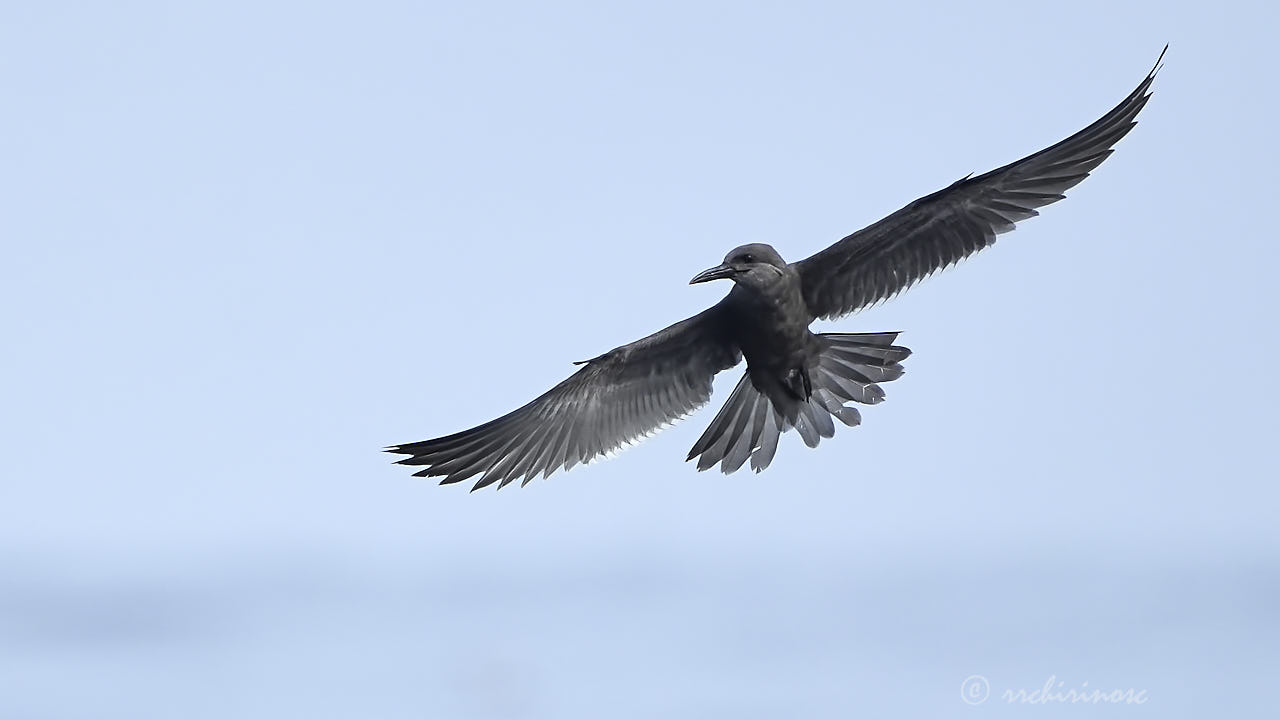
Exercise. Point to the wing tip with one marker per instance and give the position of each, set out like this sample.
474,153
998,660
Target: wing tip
1159,62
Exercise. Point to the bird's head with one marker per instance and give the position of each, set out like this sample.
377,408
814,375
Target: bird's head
754,264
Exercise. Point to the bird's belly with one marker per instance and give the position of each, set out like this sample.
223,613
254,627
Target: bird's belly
776,349
772,330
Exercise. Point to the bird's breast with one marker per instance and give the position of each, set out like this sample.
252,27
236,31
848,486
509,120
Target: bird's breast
772,330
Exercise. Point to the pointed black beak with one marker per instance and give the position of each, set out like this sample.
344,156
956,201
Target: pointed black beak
718,272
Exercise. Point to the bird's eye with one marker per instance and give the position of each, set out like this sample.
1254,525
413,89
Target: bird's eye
748,258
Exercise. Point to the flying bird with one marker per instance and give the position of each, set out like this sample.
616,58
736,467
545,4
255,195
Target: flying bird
794,379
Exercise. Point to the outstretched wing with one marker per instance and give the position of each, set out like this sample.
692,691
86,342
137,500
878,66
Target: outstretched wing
939,230
614,399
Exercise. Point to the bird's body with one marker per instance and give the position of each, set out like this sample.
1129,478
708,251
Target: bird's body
795,379
769,322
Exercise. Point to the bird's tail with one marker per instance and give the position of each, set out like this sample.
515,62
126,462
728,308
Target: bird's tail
847,368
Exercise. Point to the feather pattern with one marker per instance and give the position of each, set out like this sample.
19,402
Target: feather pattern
615,399
939,230
749,425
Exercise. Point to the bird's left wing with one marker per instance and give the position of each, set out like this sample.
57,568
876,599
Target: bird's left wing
613,400
938,230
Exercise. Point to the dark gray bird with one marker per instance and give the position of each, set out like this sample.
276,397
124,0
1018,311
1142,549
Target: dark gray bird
795,379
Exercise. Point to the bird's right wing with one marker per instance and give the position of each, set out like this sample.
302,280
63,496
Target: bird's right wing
613,400
938,230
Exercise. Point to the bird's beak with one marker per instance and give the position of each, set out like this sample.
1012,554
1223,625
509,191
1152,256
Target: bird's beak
718,272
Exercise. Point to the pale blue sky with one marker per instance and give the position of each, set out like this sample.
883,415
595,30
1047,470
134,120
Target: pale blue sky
243,244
